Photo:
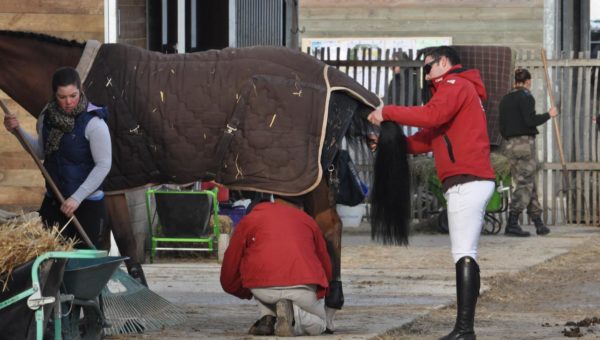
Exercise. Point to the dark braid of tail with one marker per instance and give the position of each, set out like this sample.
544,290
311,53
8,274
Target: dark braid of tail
390,195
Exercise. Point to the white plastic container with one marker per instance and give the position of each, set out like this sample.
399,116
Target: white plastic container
351,216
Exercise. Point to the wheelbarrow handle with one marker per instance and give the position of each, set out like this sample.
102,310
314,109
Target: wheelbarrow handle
47,177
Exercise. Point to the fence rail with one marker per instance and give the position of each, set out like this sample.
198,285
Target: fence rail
396,77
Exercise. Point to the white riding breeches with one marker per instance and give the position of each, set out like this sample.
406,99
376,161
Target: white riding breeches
309,312
466,209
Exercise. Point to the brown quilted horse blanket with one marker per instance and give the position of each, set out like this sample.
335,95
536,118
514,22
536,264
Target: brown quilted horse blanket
169,112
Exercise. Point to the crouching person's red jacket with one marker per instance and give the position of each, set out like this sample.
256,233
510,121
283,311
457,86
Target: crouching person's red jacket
276,245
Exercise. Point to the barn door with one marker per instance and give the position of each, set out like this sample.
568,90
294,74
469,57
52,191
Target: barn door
179,26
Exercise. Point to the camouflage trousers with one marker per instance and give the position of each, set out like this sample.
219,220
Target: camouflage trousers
523,167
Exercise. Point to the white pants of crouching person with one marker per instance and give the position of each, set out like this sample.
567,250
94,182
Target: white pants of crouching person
310,315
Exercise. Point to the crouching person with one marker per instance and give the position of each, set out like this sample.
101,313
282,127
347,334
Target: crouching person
277,255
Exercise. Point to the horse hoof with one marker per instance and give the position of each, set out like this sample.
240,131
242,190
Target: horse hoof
136,272
335,298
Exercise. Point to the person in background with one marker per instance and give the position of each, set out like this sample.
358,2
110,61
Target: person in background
518,122
74,141
277,254
454,128
399,89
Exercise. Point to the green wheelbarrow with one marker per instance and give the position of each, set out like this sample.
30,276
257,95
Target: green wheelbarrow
498,203
50,283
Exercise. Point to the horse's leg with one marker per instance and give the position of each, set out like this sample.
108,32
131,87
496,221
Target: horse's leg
121,228
320,204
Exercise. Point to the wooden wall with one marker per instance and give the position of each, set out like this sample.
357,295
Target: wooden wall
518,24
21,184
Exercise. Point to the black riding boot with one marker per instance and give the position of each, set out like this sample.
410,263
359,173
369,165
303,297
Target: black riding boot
540,227
467,291
512,226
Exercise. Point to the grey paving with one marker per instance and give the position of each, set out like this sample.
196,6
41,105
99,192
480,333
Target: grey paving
384,286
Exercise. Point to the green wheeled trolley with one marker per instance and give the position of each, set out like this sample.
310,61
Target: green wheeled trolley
182,217
498,203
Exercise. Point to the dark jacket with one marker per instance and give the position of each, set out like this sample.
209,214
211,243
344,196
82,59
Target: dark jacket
453,125
71,164
517,114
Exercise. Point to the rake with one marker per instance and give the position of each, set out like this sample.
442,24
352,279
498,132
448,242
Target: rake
129,307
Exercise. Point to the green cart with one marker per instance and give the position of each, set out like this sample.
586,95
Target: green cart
498,204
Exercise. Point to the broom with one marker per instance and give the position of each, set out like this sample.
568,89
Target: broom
129,306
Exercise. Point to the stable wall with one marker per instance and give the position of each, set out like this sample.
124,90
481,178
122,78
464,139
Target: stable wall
21,183
518,24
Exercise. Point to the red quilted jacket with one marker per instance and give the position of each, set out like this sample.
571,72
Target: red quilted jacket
453,125
275,245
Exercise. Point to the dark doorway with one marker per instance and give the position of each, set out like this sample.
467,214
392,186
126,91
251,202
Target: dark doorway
211,28
206,25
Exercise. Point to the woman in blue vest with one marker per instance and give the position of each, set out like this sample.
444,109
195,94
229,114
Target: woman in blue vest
74,142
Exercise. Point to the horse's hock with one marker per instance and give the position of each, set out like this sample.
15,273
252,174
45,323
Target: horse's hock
138,218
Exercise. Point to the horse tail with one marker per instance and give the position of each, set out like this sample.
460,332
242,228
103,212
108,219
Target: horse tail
390,194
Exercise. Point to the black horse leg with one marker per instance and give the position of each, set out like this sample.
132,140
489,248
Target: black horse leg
320,205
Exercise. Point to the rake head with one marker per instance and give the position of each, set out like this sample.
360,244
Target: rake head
131,308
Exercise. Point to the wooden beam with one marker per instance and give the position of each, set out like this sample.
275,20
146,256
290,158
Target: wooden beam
420,3
52,22
26,196
579,166
53,7
21,178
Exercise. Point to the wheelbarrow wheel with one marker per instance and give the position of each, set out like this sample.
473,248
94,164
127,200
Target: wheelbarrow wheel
84,323
443,222
92,324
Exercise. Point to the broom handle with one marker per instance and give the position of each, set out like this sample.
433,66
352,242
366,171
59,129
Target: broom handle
553,104
47,177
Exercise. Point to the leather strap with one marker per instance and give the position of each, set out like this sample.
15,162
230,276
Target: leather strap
87,58
229,131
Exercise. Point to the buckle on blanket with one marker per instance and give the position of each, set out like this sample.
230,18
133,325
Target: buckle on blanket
230,129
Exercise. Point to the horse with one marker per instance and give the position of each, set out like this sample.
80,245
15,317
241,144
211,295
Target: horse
274,124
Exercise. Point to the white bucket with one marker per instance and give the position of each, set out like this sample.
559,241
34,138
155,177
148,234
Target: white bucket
351,216
222,244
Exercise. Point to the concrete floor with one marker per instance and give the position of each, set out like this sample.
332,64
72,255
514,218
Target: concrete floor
384,286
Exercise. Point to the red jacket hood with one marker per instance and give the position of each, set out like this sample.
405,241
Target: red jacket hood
472,75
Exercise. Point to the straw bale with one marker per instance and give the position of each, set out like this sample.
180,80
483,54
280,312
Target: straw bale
225,224
23,240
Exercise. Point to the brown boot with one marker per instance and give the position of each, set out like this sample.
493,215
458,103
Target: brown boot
263,326
285,318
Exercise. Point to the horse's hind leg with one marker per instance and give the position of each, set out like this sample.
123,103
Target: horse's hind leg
122,230
321,206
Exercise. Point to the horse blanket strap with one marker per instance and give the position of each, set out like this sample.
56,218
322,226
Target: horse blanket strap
87,58
256,116
229,131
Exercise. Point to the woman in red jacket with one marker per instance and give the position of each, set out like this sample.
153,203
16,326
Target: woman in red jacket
454,128
277,255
